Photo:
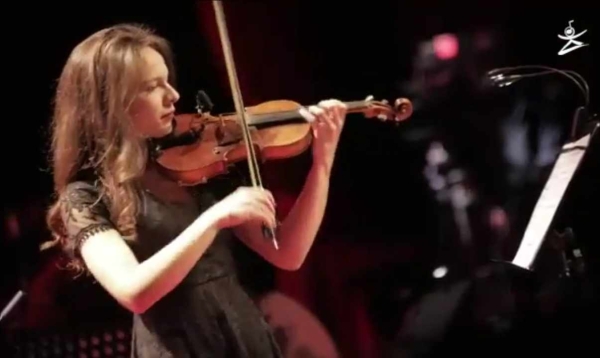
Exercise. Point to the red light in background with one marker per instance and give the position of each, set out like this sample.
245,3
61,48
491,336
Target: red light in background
445,46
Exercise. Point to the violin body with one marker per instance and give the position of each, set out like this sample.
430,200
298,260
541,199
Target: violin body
221,142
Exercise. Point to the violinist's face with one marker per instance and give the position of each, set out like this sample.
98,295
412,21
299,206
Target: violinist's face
153,109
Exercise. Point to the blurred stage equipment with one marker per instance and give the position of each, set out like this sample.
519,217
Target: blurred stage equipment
449,182
11,305
583,128
88,342
445,58
428,320
449,283
489,301
297,331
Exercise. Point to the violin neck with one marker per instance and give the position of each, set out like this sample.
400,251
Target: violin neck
356,106
272,118
294,116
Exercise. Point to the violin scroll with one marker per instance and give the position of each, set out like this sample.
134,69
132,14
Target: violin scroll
403,108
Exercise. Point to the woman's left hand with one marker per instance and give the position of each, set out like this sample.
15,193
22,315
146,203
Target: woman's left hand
327,120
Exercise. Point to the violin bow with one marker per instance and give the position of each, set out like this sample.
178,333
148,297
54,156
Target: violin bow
253,166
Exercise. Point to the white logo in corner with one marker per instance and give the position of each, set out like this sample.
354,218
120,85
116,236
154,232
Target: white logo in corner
570,37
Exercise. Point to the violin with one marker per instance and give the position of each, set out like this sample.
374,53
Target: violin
203,146
272,129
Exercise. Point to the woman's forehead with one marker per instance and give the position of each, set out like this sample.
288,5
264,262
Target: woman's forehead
154,66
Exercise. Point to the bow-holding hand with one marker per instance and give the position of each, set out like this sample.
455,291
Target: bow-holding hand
327,120
298,230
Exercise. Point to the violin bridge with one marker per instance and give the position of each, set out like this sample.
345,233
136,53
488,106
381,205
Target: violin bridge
228,133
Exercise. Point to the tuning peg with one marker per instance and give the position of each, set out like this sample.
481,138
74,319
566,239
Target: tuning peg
382,116
369,98
385,101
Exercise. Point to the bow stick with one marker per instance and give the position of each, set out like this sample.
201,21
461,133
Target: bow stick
239,106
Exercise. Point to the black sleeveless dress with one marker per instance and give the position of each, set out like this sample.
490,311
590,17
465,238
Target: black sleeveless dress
209,314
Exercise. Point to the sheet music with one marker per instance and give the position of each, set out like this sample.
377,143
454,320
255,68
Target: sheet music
550,198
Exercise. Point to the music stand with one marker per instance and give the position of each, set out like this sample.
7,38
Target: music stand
566,165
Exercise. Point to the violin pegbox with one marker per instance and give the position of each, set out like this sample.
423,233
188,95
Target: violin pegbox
377,109
382,110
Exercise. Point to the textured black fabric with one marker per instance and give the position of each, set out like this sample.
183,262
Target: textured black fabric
209,314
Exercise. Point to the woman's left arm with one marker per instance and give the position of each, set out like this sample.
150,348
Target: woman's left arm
297,232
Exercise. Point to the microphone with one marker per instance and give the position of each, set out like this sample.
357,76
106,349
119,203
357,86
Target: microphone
501,80
506,76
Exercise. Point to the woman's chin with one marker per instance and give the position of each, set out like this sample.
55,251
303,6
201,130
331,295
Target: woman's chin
168,127
162,132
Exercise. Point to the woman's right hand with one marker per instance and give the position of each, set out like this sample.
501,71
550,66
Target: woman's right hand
243,205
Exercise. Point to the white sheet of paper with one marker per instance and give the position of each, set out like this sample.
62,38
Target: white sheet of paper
550,198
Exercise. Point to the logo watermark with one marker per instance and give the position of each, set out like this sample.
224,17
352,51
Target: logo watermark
570,36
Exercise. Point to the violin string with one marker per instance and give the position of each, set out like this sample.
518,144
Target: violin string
266,118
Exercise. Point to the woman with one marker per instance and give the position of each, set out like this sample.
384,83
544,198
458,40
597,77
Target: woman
161,250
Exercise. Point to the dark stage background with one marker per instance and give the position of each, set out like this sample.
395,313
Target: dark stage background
368,279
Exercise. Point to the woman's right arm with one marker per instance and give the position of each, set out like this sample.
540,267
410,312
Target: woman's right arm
138,285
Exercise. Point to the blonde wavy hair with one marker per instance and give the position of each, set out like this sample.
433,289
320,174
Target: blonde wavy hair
91,128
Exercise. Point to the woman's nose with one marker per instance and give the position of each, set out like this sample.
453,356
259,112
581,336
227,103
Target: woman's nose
173,95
